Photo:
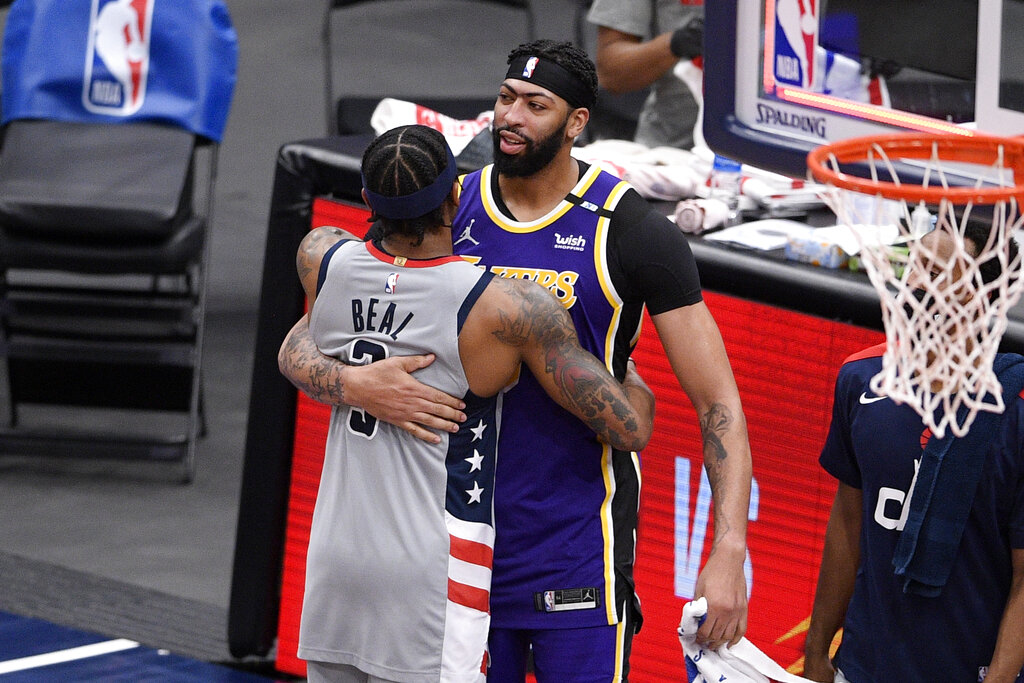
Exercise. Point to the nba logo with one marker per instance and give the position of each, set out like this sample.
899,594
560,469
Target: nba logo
531,64
549,601
117,57
392,282
796,42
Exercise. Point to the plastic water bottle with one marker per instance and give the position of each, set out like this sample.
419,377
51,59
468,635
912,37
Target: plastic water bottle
726,176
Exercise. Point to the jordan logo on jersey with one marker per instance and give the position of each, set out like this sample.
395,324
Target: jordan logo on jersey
465,236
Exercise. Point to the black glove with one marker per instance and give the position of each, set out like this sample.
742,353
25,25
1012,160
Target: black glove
688,40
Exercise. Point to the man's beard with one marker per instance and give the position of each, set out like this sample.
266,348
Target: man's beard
535,156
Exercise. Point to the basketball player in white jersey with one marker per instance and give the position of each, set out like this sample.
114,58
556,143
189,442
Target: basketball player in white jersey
399,559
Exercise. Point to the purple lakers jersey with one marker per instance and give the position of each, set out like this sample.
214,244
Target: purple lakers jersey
565,504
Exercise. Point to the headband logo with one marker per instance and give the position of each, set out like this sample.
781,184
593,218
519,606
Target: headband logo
531,64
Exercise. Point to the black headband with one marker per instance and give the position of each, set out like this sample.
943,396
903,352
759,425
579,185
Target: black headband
420,202
550,75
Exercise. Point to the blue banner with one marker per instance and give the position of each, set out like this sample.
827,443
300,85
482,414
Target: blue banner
114,60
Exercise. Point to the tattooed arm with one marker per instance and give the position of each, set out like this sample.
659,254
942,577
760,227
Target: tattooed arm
385,389
525,317
695,350
311,253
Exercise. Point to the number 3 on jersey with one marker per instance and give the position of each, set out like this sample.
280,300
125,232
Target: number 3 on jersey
364,352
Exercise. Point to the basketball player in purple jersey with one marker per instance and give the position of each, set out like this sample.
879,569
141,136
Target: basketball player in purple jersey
563,582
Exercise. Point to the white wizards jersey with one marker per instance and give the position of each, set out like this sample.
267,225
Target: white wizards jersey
398,569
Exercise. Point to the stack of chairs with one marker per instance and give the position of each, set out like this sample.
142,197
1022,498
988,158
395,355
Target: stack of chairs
113,112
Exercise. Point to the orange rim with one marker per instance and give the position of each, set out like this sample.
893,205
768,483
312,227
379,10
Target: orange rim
979,149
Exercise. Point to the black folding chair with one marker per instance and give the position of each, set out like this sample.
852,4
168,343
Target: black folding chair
105,206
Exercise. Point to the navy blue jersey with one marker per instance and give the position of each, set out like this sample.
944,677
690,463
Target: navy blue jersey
875,445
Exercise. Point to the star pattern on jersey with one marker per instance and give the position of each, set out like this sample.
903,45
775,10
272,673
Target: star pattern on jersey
478,431
475,493
476,461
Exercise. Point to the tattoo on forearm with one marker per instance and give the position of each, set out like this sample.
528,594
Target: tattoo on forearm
580,377
324,374
713,424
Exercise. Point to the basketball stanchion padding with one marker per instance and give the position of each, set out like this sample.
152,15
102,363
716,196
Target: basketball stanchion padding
944,313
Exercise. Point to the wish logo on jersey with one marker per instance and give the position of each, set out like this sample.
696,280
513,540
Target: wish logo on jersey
574,242
117,57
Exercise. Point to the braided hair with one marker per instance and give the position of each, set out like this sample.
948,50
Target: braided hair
564,54
399,162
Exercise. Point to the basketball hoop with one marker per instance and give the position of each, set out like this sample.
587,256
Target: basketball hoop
943,321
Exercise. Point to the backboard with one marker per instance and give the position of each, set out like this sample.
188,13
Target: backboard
785,76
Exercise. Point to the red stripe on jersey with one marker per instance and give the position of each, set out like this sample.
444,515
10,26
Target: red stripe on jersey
469,596
409,263
471,551
872,352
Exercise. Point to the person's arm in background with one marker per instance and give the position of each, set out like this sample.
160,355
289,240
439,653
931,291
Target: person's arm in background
385,389
1008,657
625,62
695,350
836,576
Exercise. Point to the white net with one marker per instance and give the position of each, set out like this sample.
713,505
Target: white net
946,276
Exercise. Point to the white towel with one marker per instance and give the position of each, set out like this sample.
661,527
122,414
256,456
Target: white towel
741,663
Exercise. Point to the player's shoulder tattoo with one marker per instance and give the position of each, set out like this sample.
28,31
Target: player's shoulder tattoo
315,244
530,310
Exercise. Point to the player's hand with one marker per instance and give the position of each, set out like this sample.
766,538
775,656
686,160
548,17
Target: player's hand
387,390
721,582
819,668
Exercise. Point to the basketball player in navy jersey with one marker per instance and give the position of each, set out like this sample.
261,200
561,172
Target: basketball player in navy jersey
398,566
563,565
967,622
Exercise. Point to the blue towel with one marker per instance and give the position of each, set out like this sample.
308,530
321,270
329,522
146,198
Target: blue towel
944,493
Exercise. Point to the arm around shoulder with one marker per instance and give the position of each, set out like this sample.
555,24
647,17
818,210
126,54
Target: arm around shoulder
385,389
534,322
